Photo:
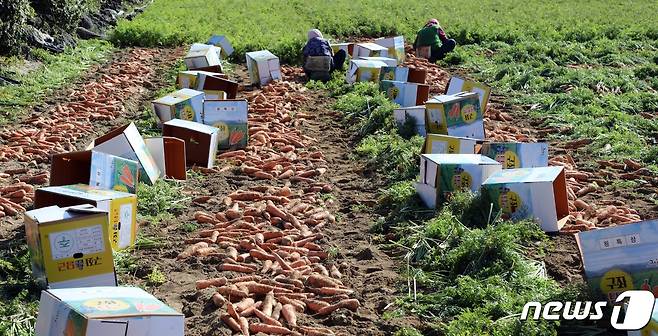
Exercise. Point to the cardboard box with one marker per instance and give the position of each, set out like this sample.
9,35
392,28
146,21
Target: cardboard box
364,71
404,93
445,144
187,79
417,113
457,85
263,67
348,47
201,56
620,258
186,104
389,61
224,44
442,174
214,85
121,207
403,74
169,155
230,117
395,46
98,169
106,311
457,115
126,142
517,154
70,247
522,193
369,50
201,140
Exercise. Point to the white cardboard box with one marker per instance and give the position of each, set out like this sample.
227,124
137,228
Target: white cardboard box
458,84
186,104
395,46
387,60
516,154
369,50
457,115
169,155
363,71
222,42
405,94
417,113
201,56
230,117
445,144
263,67
200,140
106,311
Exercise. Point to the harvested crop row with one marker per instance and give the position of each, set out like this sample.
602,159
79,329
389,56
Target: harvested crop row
269,239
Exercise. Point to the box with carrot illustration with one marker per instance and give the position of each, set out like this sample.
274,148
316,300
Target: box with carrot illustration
121,208
620,258
458,84
98,169
230,117
457,115
517,154
186,104
106,311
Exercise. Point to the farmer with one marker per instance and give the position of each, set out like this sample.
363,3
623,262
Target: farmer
319,59
432,42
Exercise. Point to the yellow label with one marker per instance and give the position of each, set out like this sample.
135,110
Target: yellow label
435,118
468,113
76,249
480,89
223,132
389,75
106,305
393,92
187,113
123,213
509,201
453,146
462,181
510,160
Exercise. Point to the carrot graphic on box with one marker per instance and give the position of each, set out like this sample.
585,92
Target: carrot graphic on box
127,177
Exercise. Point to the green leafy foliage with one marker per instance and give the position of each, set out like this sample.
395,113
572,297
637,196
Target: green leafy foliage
160,200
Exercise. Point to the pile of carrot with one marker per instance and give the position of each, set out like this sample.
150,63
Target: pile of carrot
273,263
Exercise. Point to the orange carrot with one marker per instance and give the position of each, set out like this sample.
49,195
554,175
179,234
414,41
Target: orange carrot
218,299
266,319
244,304
288,312
215,282
231,323
244,325
235,268
268,329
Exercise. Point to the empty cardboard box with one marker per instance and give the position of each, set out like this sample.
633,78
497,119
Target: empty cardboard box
213,86
395,46
348,47
539,193
263,67
169,155
186,104
416,113
364,71
457,115
230,117
222,42
187,79
70,246
121,206
516,154
457,85
126,142
106,311
442,174
445,144
405,94
387,60
369,50
403,74
202,56
97,169
200,141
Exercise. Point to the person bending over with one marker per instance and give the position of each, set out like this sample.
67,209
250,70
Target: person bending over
432,42
319,59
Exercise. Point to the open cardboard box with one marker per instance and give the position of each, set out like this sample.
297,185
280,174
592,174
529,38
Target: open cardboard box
97,169
169,155
70,247
121,207
387,60
212,85
395,46
417,113
403,74
202,56
405,94
223,43
363,71
263,67
106,311
126,142
230,117
442,174
187,79
369,49
522,193
445,144
348,47
200,140
186,104
457,115
517,154
458,84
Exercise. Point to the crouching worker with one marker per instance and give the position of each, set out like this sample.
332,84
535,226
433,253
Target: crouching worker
319,59
432,42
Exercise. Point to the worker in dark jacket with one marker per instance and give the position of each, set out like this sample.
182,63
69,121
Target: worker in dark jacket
432,40
319,59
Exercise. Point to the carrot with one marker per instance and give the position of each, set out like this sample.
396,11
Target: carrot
215,282
268,329
231,323
268,303
256,254
288,312
276,311
334,291
266,319
218,299
299,305
250,310
244,304
267,265
335,272
315,305
317,280
232,252
244,325
274,211
246,278
232,292
235,268
351,304
230,309
190,250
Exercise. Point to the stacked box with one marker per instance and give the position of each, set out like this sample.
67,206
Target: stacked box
445,144
534,193
387,60
186,104
516,154
364,71
457,85
395,46
70,247
403,74
404,93
348,47
230,117
263,67
417,113
456,115
442,174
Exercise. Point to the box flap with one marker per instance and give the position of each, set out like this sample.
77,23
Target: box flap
174,150
191,125
368,64
70,168
55,213
458,84
475,159
372,46
441,99
86,192
525,175
261,55
211,82
417,76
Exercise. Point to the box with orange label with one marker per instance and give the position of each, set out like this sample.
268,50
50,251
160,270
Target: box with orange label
533,193
106,311
620,258
442,174
517,154
97,169
186,104
445,144
121,208
457,115
70,247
